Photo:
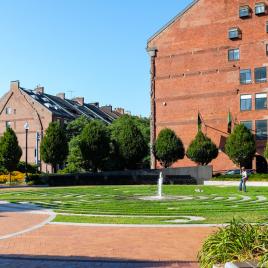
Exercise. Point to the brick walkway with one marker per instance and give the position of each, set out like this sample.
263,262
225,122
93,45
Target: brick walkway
83,246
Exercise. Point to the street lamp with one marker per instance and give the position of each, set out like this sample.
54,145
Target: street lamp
26,127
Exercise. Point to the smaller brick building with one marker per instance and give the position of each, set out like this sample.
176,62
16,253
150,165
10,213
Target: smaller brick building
37,108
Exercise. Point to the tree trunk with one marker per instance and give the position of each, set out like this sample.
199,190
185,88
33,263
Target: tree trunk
10,178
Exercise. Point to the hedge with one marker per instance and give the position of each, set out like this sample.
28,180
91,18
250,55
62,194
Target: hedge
104,179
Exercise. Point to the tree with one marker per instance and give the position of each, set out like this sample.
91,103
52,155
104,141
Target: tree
10,151
168,148
94,145
143,123
240,145
202,150
54,145
128,141
74,159
266,151
75,127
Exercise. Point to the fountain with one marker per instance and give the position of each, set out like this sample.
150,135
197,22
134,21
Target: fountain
160,185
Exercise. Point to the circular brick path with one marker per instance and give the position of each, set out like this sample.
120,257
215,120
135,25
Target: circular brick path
27,241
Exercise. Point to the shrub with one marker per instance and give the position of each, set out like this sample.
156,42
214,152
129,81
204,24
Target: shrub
239,241
31,168
168,148
105,179
202,150
17,177
240,145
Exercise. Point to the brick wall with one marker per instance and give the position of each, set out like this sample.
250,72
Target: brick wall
193,72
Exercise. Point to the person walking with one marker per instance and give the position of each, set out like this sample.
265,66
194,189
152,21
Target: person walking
244,178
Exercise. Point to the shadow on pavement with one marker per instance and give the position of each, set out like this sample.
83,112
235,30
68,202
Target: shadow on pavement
30,261
18,207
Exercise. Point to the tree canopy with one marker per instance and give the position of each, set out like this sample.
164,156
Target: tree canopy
129,142
10,151
202,150
75,127
54,145
240,145
94,145
168,148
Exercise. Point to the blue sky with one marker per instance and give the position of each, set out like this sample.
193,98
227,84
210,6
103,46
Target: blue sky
94,48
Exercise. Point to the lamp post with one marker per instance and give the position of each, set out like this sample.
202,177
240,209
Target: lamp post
26,127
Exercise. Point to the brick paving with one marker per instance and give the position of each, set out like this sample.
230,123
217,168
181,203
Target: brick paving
96,246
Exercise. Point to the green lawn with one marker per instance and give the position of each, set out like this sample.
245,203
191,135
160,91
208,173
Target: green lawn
122,204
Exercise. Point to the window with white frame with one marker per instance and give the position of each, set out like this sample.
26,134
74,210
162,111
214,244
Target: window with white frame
245,102
233,54
261,101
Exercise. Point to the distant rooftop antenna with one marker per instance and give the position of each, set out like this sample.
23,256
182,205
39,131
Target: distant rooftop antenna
70,93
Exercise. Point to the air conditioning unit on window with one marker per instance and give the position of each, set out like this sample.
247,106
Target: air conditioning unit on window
260,9
234,33
244,12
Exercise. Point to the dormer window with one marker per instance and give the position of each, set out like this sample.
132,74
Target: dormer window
234,33
260,8
244,12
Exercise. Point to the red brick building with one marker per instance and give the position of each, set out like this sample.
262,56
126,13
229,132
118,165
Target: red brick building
37,108
212,58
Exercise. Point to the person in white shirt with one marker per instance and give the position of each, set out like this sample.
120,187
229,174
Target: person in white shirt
244,178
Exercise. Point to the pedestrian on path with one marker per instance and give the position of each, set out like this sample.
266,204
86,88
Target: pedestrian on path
244,178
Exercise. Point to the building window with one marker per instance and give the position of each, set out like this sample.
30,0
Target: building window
234,33
245,76
266,49
244,12
261,129
8,124
247,124
245,102
233,54
8,110
261,101
260,8
266,26
260,75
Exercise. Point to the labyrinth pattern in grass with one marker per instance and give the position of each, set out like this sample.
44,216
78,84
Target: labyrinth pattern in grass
125,204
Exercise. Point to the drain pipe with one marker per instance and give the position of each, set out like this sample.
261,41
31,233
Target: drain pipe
152,53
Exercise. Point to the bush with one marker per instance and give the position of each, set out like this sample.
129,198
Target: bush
168,148
202,150
104,179
239,241
31,168
16,177
240,145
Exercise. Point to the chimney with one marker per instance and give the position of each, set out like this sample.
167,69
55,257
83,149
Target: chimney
39,90
95,104
14,85
61,95
79,100
107,108
120,110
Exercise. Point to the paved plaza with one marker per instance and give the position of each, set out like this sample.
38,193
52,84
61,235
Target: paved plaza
29,239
